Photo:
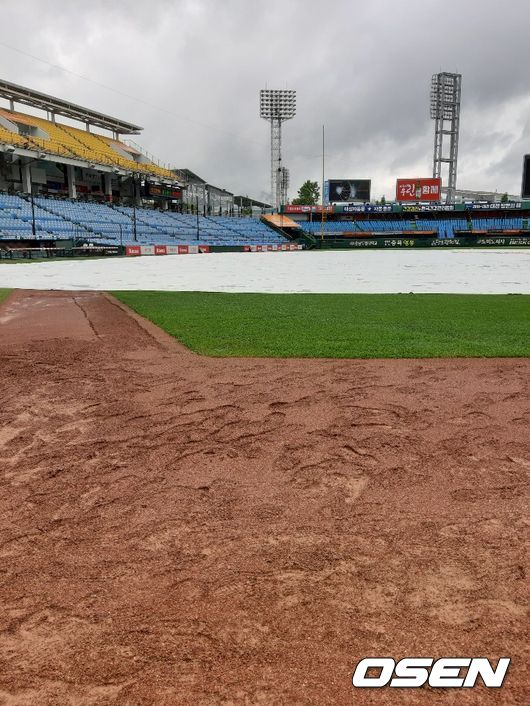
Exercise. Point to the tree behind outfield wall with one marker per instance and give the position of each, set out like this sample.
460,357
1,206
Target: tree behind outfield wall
504,198
308,194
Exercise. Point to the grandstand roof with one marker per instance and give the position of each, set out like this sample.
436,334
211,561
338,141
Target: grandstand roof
189,176
35,99
247,201
218,190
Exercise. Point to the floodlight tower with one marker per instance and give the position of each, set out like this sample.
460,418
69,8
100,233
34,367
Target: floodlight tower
445,111
284,184
277,107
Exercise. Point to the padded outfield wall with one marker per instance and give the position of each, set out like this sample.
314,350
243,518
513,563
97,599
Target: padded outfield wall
467,241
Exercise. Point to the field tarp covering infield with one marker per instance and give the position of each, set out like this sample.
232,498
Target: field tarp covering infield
452,272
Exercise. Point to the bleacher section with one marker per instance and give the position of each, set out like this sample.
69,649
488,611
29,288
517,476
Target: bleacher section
443,227
66,141
16,221
105,224
113,224
507,222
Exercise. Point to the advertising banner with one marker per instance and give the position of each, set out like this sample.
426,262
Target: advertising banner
162,191
419,189
364,208
293,208
489,206
433,207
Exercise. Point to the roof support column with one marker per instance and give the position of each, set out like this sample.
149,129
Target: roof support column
108,186
70,176
26,178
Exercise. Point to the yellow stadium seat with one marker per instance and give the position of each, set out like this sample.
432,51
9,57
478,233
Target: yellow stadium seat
69,141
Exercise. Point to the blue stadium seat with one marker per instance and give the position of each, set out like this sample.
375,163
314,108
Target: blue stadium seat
101,223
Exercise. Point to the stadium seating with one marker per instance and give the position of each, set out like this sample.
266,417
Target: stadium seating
503,223
12,138
16,220
444,227
101,223
56,138
113,224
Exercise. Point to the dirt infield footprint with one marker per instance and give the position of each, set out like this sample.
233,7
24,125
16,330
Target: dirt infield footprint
185,530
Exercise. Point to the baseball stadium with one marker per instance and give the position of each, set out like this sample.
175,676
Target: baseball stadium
245,443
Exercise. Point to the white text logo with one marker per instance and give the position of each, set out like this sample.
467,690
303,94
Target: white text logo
413,672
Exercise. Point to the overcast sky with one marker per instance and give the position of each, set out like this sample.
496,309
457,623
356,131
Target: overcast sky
190,71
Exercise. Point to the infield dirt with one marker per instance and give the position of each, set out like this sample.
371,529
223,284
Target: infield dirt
184,530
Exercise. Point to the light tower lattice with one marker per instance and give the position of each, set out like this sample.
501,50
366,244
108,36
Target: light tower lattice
277,106
445,111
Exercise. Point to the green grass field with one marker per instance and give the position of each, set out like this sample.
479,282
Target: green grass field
341,325
3,294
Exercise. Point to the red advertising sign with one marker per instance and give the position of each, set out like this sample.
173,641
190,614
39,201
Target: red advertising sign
132,250
160,250
419,189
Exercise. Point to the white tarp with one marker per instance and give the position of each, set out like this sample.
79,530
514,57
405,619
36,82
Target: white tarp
452,271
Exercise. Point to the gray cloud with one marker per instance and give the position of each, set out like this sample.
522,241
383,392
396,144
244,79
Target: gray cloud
362,69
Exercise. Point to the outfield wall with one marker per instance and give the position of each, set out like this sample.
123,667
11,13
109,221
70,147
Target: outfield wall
498,241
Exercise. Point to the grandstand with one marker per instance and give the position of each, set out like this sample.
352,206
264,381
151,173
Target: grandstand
44,219
62,183
25,217
55,138
83,183
420,221
445,228
442,228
